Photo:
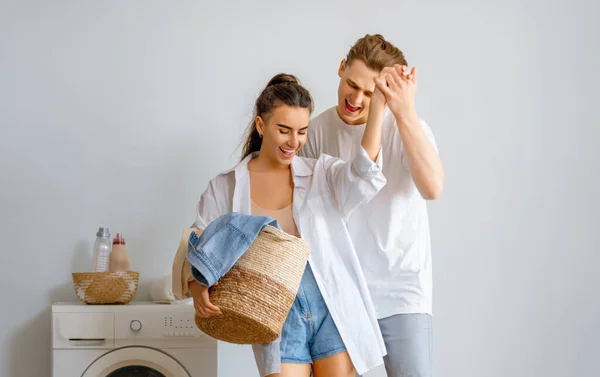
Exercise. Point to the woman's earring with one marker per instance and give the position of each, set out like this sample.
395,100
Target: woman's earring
260,135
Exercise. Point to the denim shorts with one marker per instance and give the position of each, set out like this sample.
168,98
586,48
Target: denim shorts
309,333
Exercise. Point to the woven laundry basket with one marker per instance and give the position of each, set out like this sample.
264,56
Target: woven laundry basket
256,295
106,287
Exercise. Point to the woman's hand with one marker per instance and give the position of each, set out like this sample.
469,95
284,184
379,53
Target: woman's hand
204,308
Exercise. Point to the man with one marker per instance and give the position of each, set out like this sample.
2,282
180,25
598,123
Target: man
391,233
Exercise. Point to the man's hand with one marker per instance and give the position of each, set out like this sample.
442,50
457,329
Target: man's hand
204,308
399,87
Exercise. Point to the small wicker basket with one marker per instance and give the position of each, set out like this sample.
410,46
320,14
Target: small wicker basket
106,287
256,295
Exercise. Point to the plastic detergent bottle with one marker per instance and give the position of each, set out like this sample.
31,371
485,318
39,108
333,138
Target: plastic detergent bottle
101,250
119,258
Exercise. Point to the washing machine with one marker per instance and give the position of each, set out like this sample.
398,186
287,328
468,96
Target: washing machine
138,339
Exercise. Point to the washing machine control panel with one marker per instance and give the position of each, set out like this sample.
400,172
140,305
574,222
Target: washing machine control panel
178,326
159,329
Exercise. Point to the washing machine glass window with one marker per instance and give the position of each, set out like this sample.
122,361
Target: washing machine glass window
136,371
135,361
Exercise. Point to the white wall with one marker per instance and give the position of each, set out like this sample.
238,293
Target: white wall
117,113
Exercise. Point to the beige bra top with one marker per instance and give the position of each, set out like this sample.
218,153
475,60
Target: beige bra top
284,217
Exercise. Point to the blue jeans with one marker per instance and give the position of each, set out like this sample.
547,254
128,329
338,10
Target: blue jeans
309,333
409,344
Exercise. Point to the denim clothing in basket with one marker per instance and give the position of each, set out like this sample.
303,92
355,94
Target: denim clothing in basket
222,243
326,192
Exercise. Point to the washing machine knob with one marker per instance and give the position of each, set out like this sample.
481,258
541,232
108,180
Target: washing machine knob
135,325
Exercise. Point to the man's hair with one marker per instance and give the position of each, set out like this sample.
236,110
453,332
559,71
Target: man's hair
375,52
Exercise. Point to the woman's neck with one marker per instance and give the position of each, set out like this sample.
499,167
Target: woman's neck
263,163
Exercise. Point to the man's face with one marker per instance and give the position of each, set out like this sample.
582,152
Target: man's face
355,91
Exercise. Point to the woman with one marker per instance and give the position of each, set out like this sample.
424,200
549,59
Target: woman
331,329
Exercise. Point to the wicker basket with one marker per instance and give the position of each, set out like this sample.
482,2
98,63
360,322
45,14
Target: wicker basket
106,287
256,295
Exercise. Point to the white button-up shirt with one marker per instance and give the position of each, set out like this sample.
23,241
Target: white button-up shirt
391,232
326,191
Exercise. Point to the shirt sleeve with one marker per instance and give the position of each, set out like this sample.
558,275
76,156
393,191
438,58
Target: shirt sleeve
207,209
354,182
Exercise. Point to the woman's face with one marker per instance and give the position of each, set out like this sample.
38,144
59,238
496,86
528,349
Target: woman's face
284,133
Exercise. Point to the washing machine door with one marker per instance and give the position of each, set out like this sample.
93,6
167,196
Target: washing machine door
135,362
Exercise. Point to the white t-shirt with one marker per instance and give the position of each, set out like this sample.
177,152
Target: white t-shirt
391,232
